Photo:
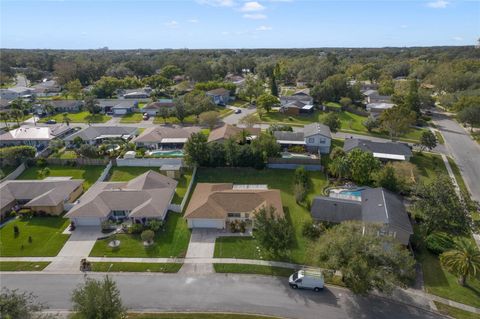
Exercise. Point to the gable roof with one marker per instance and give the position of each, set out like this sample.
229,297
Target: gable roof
147,195
227,131
392,148
157,134
216,200
93,132
35,133
37,192
64,103
317,128
377,205
159,104
288,136
116,103
219,91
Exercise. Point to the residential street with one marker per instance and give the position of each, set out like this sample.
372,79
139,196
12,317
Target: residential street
221,293
464,150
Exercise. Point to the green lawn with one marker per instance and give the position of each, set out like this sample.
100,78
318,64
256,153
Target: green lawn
455,312
64,154
239,103
441,283
195,315
458,175
136,267
172,242
132,118
126,173
89,173
46,233
253,269
429,165
80,117
350,123
22,266
280,179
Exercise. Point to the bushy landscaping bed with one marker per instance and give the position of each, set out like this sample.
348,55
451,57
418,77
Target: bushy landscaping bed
135,267
297,215
172,242
89,173
45,232
80,117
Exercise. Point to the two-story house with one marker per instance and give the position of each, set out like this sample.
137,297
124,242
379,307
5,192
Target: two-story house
316,137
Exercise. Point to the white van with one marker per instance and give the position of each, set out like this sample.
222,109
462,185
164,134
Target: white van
310,279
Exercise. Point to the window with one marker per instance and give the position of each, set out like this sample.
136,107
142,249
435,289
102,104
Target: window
311,140
236,215
322,141
247,215
119,213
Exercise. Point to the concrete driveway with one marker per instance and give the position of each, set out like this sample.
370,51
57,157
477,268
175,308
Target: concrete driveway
77,247
202,245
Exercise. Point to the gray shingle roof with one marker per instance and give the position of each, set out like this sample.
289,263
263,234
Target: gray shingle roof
92,132
377,205
377,147
288,136
317,128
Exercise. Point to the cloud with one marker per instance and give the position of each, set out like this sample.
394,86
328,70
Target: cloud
255,16
438,4
193,21
264,28
217,3
171,24
252,6
457,38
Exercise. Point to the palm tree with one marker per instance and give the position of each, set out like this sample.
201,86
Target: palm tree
463,260
339,167
66,119
4,116
16,115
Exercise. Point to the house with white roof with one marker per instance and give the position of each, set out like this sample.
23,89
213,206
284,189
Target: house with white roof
36,136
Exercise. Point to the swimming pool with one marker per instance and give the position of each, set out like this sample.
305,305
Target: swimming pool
171,153
294,155
351,194
357,193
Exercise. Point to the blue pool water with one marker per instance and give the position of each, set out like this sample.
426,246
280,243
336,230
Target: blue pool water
356,193
173,153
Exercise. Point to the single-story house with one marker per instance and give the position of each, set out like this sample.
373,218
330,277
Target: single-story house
96,134
164,137
227,131
373,205
302,96
316,137
15,92
372,96
213,205
297,108
47,87
238,80
37,136
117,106
48,195
60,106
154,108
143,93
376,109
386,151
219,96
147,196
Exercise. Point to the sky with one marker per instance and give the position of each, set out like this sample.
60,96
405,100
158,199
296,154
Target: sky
194,24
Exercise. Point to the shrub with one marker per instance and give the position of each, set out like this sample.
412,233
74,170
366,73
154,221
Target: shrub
243,226
154,225
296,149
30,240
16,230
25,213
136,228
311,230
14,155
107,225
233,226
147,235
41,162
439,242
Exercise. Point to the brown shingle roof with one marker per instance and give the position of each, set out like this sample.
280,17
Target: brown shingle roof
217,200
227,131
156,134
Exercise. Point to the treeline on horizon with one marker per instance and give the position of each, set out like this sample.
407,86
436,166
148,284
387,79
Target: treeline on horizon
453,71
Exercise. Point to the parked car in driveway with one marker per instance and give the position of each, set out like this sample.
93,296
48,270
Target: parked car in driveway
146,116
309,279
238,111
51,122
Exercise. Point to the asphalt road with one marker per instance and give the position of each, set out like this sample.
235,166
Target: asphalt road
464,150
219,293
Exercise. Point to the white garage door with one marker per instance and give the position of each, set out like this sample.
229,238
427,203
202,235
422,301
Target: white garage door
87,221
206,223
120,111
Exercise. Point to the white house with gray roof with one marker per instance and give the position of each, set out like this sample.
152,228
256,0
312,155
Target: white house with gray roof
374,205
386,151
316,137
96,134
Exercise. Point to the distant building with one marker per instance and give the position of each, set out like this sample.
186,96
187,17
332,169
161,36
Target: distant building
16,92
227,131
296,104
117,106
154,108
162,137
36,136
219,96
97,134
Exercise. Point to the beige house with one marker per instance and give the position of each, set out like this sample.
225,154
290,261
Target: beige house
48,196
228,131
163,137
213,205
147,196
